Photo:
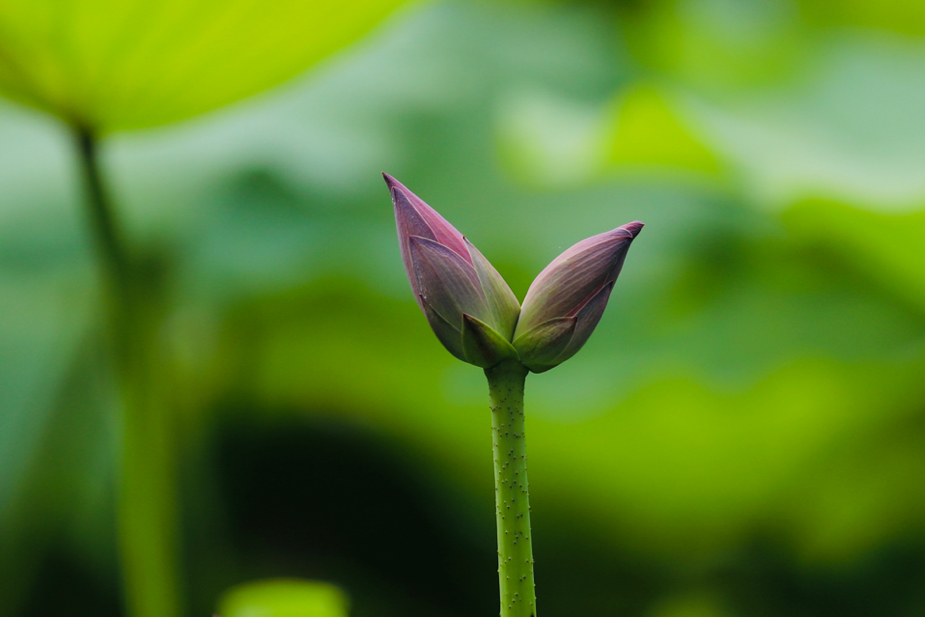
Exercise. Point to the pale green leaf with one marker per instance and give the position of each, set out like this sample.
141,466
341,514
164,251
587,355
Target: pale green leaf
121,64
284,598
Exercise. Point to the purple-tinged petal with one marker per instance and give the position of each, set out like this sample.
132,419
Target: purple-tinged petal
586,320
501,300
415,218
448,284
576,276
449,335
409,224
550,344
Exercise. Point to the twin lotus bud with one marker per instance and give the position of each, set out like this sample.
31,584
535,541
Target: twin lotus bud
473,311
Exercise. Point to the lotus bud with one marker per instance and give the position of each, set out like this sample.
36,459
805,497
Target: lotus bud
567,299
469,306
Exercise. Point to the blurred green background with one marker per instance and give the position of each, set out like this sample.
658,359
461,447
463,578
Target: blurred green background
744,435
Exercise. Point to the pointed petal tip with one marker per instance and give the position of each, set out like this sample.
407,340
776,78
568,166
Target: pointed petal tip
390,181
394,185
634,228
401,196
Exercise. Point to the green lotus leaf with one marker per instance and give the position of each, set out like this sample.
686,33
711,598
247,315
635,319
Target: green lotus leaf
123,64
284,598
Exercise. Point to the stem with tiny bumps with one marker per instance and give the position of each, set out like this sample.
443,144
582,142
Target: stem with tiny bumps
512,499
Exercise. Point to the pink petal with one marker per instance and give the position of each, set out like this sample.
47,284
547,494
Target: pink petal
576,276
416,218
448,284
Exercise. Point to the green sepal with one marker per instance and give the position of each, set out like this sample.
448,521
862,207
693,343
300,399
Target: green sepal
482,345
503,304
446,333
540,347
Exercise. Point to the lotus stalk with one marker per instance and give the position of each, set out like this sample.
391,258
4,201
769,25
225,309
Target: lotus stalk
477,318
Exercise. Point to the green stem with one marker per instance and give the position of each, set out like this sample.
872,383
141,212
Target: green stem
512,498
102,217
146,508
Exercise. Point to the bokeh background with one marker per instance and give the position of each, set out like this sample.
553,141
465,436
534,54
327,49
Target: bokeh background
744,435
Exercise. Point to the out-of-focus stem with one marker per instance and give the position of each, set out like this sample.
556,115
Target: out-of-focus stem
512,499
146,508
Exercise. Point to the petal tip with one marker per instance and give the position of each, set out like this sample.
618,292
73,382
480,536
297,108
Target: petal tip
395,186
633,228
